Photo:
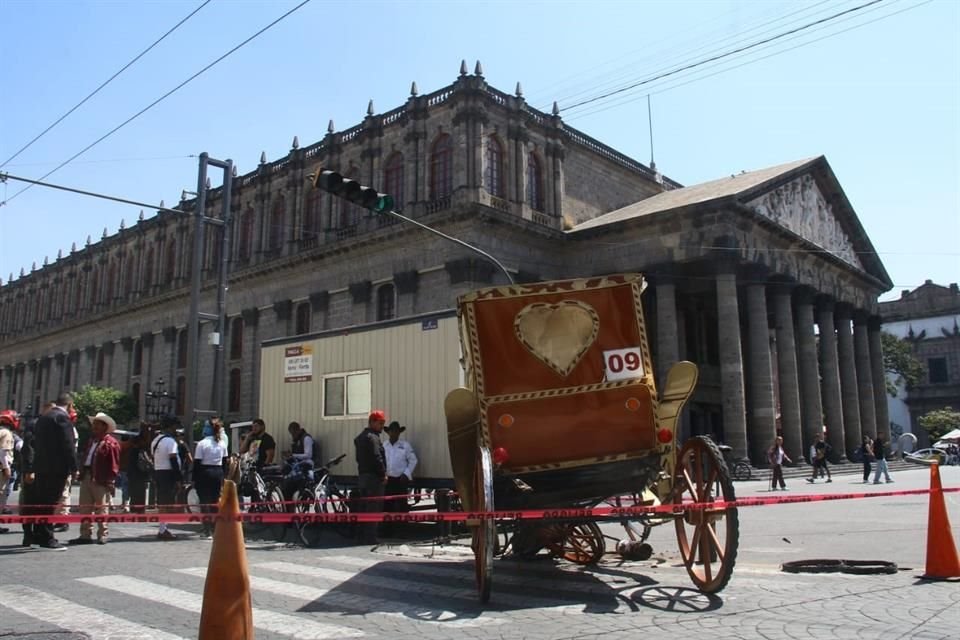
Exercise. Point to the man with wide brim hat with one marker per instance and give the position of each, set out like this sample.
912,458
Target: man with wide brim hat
401,461
99,468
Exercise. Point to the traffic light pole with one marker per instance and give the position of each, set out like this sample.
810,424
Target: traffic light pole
454,240
191,411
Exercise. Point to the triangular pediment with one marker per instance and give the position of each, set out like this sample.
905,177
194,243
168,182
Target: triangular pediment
799,206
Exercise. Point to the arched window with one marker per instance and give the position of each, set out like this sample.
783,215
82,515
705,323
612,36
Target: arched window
171,270
245,241
233,398
534,182
182,349
113,288
129,271
138,358
303,318
493,172
100,366
181,395
236,339
393,179
92,292
386,302
441,169
311,214
148,270
214,241
275,234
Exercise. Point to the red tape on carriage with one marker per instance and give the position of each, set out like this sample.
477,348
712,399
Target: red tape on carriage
602,513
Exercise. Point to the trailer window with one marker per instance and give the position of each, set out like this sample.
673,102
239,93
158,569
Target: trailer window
346,394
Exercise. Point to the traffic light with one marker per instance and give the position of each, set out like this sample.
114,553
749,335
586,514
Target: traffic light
352,191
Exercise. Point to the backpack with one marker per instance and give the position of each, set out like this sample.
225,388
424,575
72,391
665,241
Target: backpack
317,454
145,458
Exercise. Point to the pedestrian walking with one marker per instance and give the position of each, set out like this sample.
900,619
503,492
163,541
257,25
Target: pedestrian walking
167,474
775,456
54,461
820,449
99,468
866,457
372,473
880,453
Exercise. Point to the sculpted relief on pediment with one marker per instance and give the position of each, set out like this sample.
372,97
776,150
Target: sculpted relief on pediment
800,207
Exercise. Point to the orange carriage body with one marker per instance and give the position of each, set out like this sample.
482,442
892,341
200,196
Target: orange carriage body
561,371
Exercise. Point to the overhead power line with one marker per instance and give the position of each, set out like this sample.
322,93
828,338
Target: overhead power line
159,100
701,74
720,56
108,81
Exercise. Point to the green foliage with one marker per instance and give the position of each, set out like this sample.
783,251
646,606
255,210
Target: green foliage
938,422
115,403
898,359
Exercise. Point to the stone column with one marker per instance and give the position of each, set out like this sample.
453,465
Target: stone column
830,379
861,350
667,343
731,363
848,379
789,377
878,377
762,422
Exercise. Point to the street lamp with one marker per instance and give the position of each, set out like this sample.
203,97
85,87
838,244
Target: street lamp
158,401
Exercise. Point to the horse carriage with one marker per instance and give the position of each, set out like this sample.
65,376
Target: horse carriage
561,412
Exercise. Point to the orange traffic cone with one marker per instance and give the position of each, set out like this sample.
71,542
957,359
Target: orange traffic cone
942,560
227,611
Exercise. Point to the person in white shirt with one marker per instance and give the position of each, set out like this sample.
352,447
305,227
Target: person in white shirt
167,473
208,463
401,461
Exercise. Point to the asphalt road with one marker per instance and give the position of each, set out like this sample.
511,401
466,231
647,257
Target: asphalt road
137,587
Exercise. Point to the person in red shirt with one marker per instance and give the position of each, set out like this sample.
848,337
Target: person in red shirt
99,468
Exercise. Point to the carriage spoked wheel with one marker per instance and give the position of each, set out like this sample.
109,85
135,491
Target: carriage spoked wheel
485,532
707,536
579,542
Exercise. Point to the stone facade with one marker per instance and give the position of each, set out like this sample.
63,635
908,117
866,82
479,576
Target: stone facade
929,319
741,268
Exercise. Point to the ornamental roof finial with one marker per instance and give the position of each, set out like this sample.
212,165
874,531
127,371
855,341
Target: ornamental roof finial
413,88
478,70
463,67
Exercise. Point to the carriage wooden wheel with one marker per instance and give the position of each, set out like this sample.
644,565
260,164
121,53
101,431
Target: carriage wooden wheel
485,532
707,536
580,542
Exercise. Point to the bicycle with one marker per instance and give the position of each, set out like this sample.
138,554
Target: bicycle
187,499
324,497
265,497
740,469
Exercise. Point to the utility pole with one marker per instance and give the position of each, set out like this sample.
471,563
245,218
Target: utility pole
192,412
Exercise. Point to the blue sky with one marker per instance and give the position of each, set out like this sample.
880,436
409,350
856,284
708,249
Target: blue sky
878,94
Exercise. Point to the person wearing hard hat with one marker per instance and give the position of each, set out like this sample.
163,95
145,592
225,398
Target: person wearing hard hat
372,473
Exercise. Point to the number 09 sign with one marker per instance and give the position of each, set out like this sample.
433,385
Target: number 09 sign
623,364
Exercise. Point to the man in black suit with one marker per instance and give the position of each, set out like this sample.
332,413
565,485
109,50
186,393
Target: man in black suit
54,461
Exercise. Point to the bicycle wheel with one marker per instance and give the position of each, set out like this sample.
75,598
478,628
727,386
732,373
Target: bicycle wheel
742,471
310,533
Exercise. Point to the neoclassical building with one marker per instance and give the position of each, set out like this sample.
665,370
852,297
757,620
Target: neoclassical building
765,279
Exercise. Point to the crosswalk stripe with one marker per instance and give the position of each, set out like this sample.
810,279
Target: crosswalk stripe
355,602
75,617
283,624
416,588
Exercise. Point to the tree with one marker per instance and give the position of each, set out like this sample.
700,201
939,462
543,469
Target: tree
115,403
899,360
940,421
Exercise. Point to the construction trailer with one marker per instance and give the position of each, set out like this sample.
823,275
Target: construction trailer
330,381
